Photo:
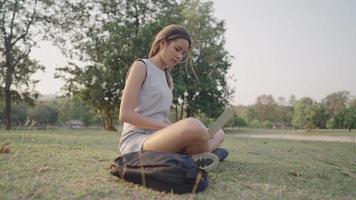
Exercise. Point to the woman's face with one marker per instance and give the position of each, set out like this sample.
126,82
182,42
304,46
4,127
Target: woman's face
174,51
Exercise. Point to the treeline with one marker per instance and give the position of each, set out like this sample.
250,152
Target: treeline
335,111
52,113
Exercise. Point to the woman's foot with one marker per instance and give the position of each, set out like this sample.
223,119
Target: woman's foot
221,153
206,161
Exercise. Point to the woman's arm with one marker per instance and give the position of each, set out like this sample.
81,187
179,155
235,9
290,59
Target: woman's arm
136,77
167,121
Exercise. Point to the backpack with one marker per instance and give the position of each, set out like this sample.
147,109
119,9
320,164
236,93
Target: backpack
161,171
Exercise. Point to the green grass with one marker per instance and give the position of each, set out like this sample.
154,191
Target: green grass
318,132
66,164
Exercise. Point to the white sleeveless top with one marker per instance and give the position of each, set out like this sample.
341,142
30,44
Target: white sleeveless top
154,99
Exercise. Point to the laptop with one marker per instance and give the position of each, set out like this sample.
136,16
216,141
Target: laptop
221,121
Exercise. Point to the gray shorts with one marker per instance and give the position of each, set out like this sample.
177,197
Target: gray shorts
132,141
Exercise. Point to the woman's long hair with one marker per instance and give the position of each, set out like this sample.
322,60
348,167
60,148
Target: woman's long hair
169,33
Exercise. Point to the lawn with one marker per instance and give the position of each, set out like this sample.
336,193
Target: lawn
67,164
316,132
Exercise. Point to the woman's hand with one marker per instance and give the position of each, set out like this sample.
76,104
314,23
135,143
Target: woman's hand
163,125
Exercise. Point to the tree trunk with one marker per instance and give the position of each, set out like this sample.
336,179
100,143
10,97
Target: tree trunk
188,111
181,110
109,122
8,81
7,113
137,19
109,126
176,108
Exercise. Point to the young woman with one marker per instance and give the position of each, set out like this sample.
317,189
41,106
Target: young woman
147,98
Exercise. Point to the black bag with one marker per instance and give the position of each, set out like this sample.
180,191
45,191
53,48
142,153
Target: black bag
161,171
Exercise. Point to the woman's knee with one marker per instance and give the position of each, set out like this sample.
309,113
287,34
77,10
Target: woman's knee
195,130
221,135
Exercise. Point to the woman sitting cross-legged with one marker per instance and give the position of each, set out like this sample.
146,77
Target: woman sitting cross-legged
147,98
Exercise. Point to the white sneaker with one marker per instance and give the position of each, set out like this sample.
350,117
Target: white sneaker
206,161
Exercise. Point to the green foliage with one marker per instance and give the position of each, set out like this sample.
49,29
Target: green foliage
44,114
353,103
236,121
75,109
336,101
267,113
330,124
110,41
292,100
304,113
108,47
251,114
345,118
20,107
17,36
285,115
310,114
266,108
207,93
267,124
19,113
321,116
255,123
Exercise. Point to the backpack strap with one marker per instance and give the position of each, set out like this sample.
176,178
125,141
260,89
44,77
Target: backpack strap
140,59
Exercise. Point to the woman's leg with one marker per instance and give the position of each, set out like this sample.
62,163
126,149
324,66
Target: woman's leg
188,135
217,140
214,143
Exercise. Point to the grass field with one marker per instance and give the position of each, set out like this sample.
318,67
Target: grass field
317,132
67,164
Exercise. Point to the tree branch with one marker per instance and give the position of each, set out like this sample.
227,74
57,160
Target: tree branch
24,55
2,3
3,26
28,25
12,22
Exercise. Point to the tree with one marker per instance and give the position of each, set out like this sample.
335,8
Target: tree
292,100
321,116
17,34
330,124
352,103
336,101
236,121
346,118
251,114
350,118
268,113
266,108
110,40
75,109
304,113
204,88
19,113
44,115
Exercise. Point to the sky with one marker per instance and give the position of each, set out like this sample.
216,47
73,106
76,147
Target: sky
279,47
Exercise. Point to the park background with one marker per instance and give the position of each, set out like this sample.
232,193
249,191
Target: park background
286,67
280,64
